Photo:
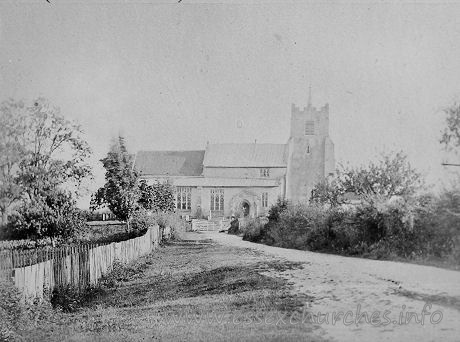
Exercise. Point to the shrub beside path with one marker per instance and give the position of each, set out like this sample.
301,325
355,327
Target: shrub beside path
345,284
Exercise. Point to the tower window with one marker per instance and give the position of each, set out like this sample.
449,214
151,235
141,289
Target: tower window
309,128
264,172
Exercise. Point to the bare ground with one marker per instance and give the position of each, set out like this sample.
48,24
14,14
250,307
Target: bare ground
394,292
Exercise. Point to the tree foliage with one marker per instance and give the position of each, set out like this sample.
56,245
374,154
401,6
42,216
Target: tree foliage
12,152
156,197
451,135
123,193
390,176
120,192
56,151
40,153
327,192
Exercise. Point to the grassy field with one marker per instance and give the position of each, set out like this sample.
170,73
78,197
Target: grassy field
189,290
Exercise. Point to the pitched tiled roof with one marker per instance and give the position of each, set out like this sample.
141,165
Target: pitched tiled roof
245,155
170,163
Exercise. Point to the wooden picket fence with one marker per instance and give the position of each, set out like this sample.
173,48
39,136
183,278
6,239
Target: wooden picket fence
36,273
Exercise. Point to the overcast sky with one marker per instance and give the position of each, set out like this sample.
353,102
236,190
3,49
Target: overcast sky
175,75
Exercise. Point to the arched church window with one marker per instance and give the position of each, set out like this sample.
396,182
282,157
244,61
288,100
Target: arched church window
184,198
217,200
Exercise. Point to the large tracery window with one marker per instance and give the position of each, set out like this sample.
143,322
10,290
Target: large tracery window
217,200
184,198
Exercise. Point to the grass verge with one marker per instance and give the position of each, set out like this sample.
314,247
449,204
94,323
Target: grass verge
194,291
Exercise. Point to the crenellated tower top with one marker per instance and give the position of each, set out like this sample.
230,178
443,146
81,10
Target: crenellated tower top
309,120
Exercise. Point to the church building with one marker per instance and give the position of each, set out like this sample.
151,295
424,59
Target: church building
246,179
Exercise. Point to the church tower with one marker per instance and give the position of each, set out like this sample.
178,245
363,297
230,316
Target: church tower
310,151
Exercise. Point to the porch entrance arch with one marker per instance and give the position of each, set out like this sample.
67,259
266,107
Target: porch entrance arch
245,208
244,204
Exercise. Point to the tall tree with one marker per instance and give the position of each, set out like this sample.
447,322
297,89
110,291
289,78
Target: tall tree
56,152
39,151
392,175
451,135
450,198
12,152
120,191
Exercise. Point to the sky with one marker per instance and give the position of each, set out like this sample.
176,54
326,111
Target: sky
172,76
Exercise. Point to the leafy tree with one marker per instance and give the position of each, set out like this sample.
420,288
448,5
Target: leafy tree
391,176
449,203
120,192
451,140
39,152
451,134
56,151
146,195
12,151
156,197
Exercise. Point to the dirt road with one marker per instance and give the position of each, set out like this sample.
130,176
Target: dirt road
390,295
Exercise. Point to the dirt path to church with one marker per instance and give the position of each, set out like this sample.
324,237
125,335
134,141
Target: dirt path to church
389,293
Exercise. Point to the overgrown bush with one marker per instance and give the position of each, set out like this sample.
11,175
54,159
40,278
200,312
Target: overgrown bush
253,230
300,227
437,225
259,232
53,216
178,225
142,220
409,228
